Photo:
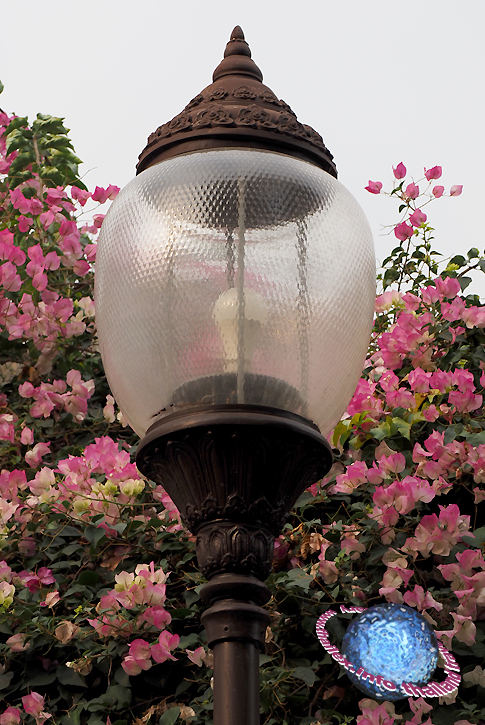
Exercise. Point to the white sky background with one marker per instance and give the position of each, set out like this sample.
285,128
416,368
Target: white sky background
382,81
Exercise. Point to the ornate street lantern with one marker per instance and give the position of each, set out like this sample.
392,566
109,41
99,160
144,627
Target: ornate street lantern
235,287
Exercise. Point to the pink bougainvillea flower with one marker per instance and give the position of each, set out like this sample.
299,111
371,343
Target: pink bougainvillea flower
18,642
412,191
433,173
196,656
34,705
102,195
138,657
27,436
80,195
456,190
399,171
166,642
417,218
10,716
438,191
33,457
24,223
374,187
417,598
51,599
403,231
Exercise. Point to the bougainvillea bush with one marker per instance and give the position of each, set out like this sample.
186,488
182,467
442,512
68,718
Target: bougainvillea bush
99,592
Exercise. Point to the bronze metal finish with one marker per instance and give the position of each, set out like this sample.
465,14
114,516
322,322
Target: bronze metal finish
234,472
237,110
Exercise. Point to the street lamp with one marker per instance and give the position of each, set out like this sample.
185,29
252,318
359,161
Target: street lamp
235,287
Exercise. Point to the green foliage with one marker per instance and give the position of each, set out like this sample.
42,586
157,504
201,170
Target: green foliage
78,523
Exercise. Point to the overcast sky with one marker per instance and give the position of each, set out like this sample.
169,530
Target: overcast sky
382,81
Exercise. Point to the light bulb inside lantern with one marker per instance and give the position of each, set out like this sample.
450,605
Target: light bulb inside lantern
239,319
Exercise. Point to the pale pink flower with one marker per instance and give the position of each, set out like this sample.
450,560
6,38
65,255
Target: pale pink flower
166,642
438,191
66,631
34,705
387,299
329,571
18,642
33,457
109,409
196,656
417,598
27,436
10,716
456,190
50,600
138,657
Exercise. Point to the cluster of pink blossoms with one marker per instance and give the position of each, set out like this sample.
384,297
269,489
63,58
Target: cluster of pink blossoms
145,592
417,218
50,396
33,704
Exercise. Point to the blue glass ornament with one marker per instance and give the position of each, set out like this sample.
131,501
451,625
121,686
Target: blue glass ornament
394,641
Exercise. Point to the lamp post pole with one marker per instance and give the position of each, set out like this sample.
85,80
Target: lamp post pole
236,473
225,274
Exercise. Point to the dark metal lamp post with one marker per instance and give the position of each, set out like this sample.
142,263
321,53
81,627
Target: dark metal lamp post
235,285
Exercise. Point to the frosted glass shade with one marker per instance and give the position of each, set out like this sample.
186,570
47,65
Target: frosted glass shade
234,276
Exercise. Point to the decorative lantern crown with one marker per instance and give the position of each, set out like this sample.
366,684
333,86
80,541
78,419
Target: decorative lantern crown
236,110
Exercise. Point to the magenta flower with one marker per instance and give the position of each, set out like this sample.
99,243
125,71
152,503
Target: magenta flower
374,187
80,195
456,190
403,231
417,218
438,191
102,195
24,223
434,173
399,171
412,191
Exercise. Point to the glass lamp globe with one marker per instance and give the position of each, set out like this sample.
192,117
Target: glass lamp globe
234,276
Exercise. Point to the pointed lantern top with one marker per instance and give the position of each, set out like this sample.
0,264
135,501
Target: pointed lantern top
236,111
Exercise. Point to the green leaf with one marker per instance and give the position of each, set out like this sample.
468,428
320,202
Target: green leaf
94,535
1,87
298,577
88,578
5,678
403,427
68,676
170,716
18,122
382,431
306,674
473,253
452,432
475,439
